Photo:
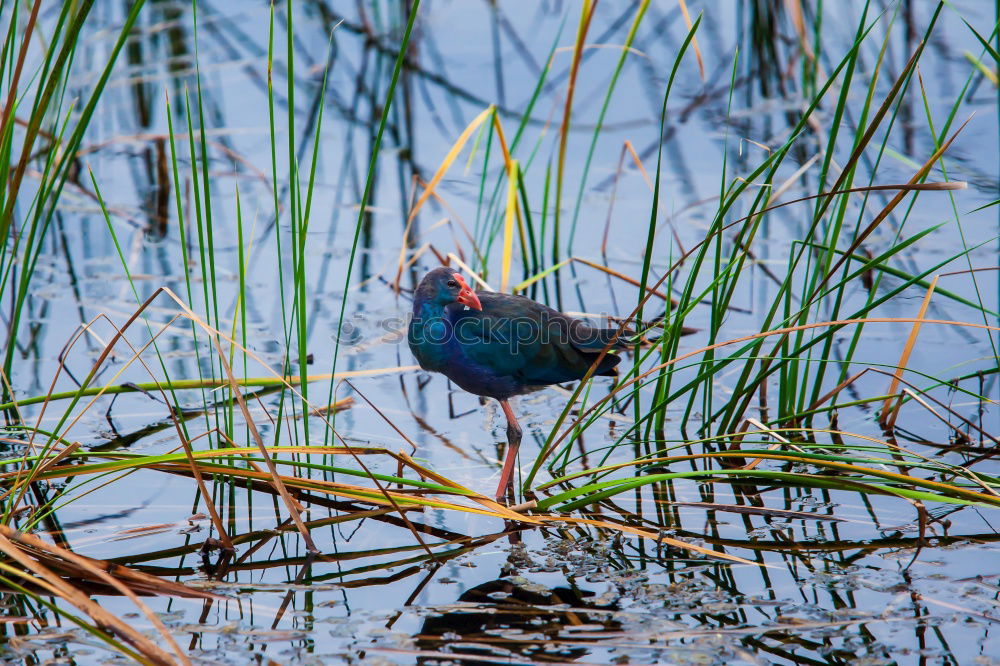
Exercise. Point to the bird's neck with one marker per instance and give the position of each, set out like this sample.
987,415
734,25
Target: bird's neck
429,335
427,310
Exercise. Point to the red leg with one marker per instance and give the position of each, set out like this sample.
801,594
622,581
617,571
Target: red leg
513,442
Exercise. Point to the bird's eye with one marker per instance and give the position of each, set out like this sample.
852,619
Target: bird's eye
452,283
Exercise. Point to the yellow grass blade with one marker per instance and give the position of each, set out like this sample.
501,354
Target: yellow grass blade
474,150
448,160
508,225
438,175
521,286
986,71
512,214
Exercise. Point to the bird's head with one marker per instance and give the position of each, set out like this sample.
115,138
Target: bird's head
445,286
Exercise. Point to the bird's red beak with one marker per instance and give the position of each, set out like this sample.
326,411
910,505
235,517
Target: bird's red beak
467,296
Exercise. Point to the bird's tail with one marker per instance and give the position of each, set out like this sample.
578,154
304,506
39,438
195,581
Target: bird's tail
620,341
587,339
606,368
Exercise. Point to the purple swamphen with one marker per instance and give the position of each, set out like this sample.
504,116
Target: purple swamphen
498,345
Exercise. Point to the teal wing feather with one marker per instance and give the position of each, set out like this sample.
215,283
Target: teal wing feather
535,345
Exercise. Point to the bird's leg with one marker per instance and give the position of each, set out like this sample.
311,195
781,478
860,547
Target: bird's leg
513,442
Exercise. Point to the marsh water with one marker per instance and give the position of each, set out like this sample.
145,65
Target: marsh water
838,577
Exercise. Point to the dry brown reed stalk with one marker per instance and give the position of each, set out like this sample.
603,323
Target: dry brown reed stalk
888,417
122,579
624,278
294,508
105,620
7,118
694,39
779,440
954,413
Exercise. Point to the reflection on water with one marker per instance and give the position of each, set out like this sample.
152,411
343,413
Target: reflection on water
513,616
569,598
840,578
